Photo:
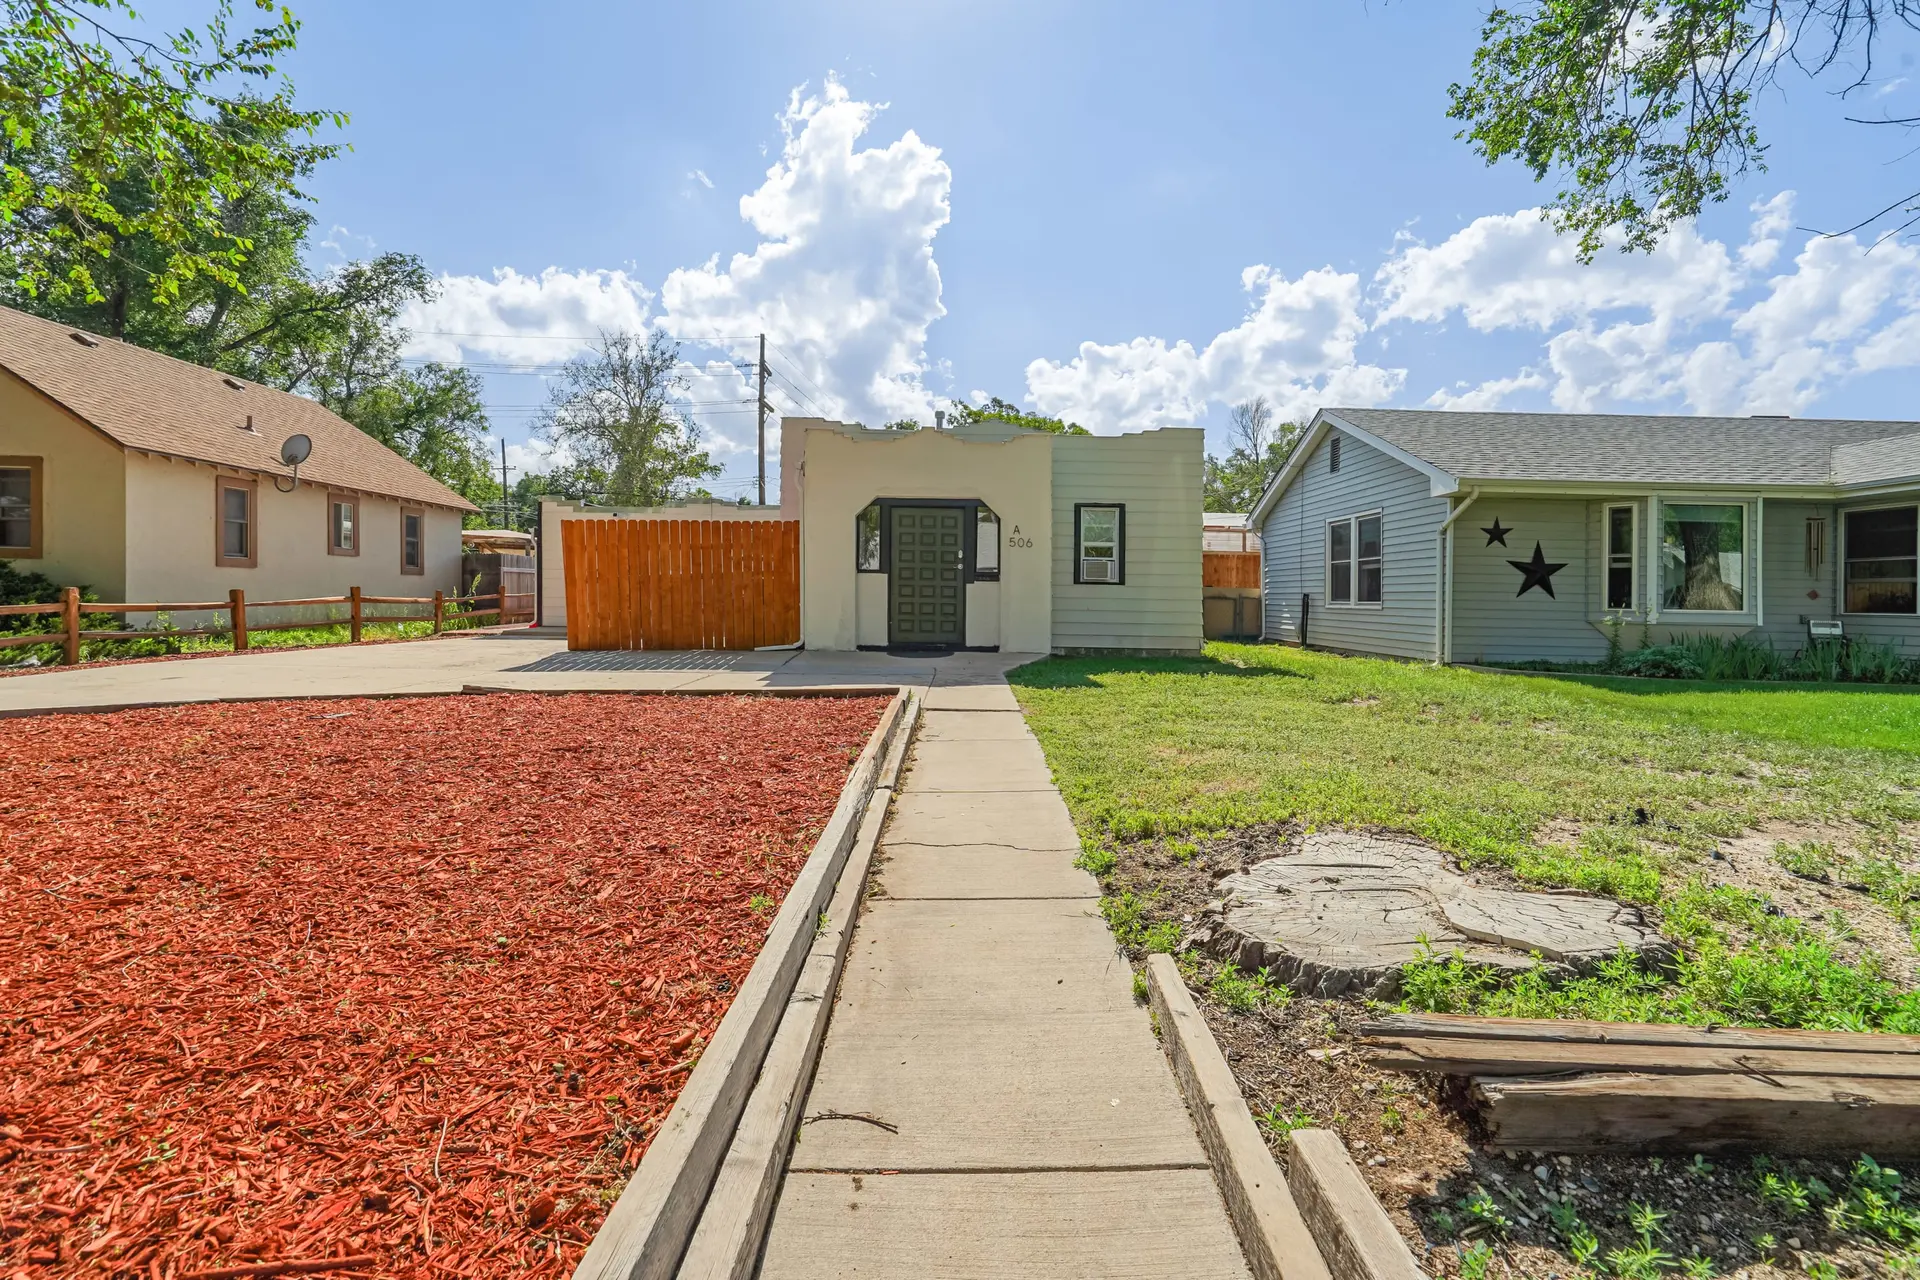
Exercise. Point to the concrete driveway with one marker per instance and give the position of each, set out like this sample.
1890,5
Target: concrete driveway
525,659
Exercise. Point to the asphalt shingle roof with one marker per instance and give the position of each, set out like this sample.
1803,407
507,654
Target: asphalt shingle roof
1606,447
145,400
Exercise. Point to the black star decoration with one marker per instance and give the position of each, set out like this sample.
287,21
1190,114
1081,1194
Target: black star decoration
1538,573
1497,533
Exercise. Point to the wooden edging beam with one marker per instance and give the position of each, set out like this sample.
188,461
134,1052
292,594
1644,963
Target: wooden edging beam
649,1227
1273,1232
1355,1235
739,1210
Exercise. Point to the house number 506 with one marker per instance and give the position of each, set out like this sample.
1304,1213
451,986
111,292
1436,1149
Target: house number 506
1016,539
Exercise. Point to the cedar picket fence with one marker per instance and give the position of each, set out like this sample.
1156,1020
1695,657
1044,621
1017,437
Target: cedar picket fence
1230,569
681,584
71,608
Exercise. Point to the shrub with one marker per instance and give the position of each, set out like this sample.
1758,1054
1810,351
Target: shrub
1664,661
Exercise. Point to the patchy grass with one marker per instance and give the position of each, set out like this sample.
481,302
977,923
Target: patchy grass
1477,764
1567,783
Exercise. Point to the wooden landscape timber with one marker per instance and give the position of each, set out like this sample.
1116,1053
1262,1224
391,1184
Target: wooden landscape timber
1544,1085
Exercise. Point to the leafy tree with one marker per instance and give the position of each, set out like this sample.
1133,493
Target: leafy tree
1258,448
121,151
613,411
998,410
1644,107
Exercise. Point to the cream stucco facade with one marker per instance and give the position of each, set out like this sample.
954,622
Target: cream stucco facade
139,526
1035,483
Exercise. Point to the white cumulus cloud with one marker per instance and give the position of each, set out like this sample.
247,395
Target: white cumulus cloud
843,277
527,318
1296,344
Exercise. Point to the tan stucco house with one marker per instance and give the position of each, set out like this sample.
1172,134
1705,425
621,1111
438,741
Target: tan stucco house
989,536
150,479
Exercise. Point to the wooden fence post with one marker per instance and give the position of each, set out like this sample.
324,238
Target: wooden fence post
439,611
70,618
353,615
237,604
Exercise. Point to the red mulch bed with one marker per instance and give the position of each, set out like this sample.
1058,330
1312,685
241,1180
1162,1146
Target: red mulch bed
408,983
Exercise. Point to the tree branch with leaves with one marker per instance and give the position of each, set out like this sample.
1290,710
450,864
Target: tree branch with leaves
108,137
1643,109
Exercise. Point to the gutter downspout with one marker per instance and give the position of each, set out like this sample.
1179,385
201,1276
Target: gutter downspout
1443,577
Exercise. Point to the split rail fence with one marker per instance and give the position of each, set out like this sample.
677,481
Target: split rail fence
681,584
72,610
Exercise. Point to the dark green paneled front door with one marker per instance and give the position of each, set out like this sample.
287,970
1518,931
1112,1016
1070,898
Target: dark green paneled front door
926,590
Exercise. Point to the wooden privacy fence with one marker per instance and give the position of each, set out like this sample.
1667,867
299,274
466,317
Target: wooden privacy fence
681,584
72,608
1230,569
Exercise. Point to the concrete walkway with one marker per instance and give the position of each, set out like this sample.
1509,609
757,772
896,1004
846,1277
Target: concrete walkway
521,659
990,1100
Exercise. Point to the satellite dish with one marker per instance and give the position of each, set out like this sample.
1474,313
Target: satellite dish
295,451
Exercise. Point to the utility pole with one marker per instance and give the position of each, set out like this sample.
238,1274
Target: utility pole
506,513
763,419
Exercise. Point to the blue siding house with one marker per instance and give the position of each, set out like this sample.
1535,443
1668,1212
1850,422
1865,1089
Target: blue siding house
1506,537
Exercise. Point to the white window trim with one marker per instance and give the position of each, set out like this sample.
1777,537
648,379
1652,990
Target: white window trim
1750,587
1636,592
1845,557
1353,547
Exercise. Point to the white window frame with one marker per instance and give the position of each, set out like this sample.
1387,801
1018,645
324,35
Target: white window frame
1635,596
1846,557
1080,557
1750,585
1352,523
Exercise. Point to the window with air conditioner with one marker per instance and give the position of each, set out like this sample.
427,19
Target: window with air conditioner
1099,539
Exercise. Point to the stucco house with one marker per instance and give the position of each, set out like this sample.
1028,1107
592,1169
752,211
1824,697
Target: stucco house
1469,537
150,479
990,536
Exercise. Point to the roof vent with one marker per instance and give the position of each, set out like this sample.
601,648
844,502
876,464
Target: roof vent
84,339
249,426
236,384
1781,417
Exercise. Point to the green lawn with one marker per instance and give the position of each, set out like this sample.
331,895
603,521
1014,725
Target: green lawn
1617,787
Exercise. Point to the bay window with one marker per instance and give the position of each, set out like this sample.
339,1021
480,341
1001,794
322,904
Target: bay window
1703,556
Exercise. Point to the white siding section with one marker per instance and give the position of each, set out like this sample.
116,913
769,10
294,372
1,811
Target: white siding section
1157,476
1294,538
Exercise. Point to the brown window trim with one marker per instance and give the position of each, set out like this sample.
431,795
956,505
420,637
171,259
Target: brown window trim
252,559
420,568
36,547
352,500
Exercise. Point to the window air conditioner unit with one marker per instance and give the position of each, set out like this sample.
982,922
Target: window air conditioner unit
1096,571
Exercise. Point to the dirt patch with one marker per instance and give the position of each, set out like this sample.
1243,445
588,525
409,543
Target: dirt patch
412,978
1829,897
1297,1064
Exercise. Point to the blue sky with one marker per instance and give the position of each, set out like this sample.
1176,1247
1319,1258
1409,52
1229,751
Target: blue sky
1129,214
